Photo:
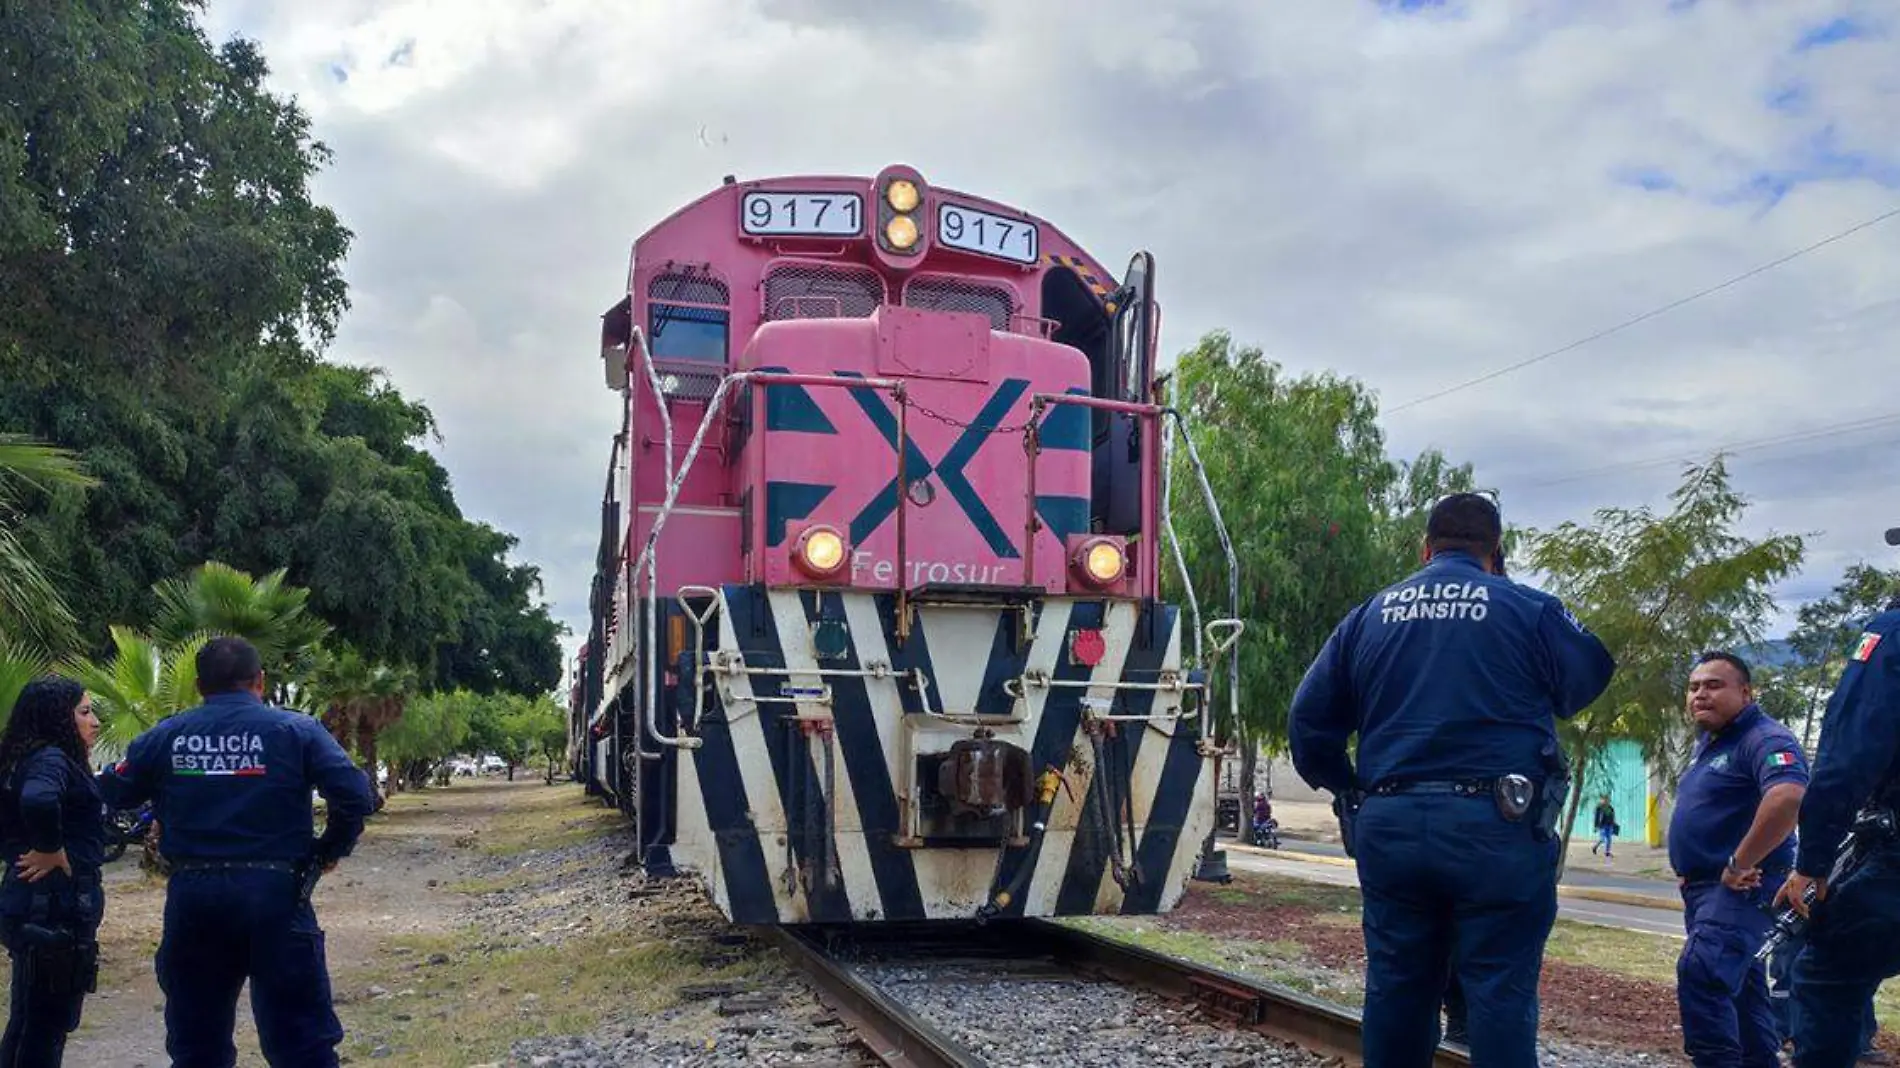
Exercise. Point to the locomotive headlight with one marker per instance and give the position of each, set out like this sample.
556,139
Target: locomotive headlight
902,194
820,552
901,231
1101,561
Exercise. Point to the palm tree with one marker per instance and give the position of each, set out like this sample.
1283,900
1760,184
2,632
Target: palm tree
142,684
32,612
18,666
358,699
219,599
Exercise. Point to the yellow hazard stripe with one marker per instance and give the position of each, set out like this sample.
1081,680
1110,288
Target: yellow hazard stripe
1101,287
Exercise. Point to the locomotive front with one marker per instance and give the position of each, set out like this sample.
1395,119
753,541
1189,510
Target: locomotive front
883,639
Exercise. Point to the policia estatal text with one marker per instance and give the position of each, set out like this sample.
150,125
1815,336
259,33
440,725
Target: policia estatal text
1453,680
232,781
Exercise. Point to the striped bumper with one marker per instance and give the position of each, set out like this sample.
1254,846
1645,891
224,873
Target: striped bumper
801,803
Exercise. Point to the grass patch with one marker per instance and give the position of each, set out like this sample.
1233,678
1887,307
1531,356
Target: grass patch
473,1006
546,819
1284,963
1287,891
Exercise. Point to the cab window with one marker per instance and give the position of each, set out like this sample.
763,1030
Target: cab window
679,332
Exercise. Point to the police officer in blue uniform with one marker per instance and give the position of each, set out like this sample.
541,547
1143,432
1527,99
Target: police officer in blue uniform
1731,842
1853,943
52,835
232,779
1453,680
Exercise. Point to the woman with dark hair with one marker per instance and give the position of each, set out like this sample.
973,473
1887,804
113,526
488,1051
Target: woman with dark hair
52,835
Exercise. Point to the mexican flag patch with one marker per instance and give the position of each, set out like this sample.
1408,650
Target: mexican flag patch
1866,647
1783,759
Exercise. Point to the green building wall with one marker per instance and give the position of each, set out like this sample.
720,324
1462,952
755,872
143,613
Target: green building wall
1622,774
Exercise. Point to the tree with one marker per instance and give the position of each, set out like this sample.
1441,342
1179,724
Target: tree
33,611
358,699
1319,517
18,667
1657,590
219,599
166,283
143,683
1825,632
433,728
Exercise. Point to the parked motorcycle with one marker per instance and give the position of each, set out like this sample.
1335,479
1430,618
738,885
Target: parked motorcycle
125,827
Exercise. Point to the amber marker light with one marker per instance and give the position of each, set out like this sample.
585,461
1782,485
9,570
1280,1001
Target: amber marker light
820,552
902,194
901,232
1101,561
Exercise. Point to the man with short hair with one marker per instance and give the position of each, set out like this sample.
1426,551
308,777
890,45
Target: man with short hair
232,780
1731,842
1453,680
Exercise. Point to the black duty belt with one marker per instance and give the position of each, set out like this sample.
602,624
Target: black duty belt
234,865
1458,787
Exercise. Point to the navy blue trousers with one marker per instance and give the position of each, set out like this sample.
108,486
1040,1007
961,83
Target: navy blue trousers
1450,884
1721,991
1852,946
222,928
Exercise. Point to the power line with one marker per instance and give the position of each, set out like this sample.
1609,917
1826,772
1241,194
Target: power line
1795,438
1646,316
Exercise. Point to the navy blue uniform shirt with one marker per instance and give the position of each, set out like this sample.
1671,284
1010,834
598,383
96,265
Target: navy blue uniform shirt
50,803
1723,786
1859,740
1453,673
232,779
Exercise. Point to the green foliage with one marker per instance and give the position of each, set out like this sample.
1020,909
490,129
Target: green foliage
432,728
32,608
1319,517
164,273
1824,636
141,684
18,666
1658,589
219,599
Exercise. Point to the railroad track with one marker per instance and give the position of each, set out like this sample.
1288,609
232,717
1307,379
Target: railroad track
842,963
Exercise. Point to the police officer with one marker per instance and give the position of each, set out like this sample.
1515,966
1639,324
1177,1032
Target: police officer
1453,680
52,833
1731,842
1853,943
232,779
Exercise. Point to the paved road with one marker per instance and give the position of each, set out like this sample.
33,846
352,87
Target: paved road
1661,921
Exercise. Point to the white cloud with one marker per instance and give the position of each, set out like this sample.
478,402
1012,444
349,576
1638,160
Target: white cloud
1410,198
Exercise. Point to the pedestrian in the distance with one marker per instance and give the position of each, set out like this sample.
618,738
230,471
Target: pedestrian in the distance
52,832
232,781
1607,830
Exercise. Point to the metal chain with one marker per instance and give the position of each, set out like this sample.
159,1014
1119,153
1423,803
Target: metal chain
962,425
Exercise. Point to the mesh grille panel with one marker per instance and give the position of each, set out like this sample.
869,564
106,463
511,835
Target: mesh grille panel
822,291
962,295
693,289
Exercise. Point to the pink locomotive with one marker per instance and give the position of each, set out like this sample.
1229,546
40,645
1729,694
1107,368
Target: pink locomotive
877,632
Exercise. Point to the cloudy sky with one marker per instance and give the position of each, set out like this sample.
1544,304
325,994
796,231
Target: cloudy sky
1414,193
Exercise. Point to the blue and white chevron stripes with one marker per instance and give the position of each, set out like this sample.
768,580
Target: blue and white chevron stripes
801,803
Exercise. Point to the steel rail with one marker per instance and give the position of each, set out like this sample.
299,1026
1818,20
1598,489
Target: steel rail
1268,1008
899,1037
893,1034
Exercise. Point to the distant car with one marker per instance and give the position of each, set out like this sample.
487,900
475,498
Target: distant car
493,763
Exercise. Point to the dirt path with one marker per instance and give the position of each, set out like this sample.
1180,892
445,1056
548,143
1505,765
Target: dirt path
399,883
490,924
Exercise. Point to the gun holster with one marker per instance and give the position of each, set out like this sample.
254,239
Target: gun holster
1346,808
57,960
